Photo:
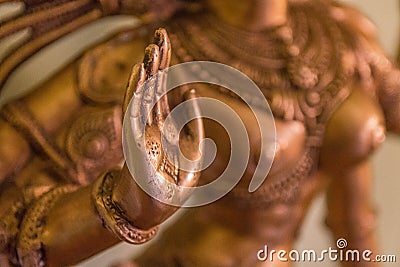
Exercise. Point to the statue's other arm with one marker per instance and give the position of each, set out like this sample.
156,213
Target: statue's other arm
353,133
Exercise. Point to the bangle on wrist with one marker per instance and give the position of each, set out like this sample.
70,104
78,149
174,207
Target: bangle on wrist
113,216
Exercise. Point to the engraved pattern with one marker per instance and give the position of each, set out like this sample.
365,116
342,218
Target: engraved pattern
284,190
9,228
29,247
46,21
11,220
93,77
21,119
303,67
93,142
113,216
302,79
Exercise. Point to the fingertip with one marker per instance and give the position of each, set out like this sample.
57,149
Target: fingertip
159,35
161,39
151,59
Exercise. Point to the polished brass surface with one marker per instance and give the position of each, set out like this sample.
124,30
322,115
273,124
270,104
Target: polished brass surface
66,193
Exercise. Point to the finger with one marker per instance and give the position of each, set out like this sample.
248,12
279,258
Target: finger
161,39
135,91
151,63
162,107
135,83
151,59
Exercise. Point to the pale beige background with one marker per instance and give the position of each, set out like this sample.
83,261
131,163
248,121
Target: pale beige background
385,14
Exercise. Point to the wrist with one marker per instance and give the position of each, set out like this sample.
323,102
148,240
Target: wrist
114,216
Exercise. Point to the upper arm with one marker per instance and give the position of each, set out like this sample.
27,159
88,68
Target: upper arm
389,96
353,133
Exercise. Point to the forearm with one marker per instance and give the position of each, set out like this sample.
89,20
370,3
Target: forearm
351,214
71,224
61,228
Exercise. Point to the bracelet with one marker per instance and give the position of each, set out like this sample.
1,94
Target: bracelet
30,249
113,216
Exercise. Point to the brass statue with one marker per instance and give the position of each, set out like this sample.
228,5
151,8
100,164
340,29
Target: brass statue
66,193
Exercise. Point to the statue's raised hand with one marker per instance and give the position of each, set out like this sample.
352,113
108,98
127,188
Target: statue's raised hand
153,143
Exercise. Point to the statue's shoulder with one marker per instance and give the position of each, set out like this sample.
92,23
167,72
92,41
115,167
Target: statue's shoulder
354,131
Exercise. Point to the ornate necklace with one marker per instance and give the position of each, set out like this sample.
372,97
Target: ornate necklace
300,66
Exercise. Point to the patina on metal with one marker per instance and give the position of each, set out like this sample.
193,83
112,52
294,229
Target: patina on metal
66,194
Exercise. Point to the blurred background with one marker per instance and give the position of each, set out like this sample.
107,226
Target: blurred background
386,16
